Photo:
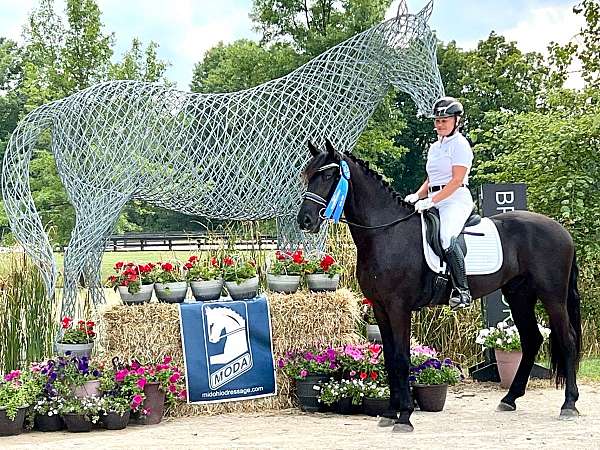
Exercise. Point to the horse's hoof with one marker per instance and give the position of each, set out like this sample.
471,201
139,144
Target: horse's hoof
403,428
505,407
568,414
385,422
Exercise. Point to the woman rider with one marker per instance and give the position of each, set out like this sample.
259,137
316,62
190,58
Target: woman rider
449,161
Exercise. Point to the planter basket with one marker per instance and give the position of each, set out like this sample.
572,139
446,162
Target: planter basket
206,291
171,292
430,397
12,427
321,282
245,289
346,407
47,423
75,349
373,333
77,423
138,298
154,402
114,421
375,406
308,396
507,363
286,284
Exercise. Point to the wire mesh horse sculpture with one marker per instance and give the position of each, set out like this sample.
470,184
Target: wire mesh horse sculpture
215,155
539,263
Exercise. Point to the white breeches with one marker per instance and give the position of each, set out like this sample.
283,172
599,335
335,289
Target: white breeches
454,212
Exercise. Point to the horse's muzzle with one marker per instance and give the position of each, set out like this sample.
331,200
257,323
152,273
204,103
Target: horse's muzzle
308,222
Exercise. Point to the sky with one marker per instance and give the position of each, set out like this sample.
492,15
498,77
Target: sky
185,29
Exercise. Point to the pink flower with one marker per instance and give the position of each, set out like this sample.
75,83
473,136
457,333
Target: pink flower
303,373
135,365
183,394
173,378
352,373
141,383
120,375
137,399
172,388
140,371
146,411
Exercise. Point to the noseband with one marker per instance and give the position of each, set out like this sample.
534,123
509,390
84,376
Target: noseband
332,209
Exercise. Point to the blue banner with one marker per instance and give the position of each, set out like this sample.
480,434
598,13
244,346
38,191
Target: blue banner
227,350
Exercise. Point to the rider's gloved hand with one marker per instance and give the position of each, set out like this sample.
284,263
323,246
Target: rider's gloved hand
424,204
411,198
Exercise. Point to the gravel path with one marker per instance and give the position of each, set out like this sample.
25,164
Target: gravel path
469,420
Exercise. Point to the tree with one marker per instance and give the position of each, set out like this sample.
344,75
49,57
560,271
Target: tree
140,64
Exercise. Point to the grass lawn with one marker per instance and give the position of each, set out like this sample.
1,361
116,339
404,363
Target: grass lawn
589,369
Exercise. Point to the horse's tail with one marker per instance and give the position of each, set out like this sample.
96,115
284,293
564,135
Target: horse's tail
23,218
574,312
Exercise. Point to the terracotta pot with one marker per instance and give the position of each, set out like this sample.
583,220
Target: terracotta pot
206,291
321,282
12,427
88,389
242,290
286,284
143,296
171,292
308,396
114,421
43,422
75,349
154,403
77,423
508,363
430,397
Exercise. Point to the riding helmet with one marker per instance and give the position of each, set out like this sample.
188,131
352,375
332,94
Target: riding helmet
447,107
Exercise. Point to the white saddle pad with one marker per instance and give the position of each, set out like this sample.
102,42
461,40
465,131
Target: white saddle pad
484,253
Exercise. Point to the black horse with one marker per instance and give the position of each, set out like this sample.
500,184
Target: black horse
539,262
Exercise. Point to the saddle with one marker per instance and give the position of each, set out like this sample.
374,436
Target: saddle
432,220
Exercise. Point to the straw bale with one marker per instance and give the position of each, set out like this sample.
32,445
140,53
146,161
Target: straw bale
150,331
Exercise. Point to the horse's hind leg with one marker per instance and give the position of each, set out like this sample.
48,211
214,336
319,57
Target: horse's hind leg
521,298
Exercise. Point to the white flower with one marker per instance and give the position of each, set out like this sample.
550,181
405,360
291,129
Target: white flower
509,340
501,325
480,340
484,333
499,341
49,413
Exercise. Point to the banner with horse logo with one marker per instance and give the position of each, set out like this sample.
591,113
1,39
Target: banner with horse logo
227,350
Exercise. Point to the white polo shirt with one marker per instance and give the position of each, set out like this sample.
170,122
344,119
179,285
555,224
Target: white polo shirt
445,153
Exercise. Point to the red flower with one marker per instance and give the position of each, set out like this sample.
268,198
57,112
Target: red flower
228,261
363,375
167,266
66,322
366,301
119,265
214,262
279,256
193,258
297,257
374,376
375,348
89,323
326,262
144,268
188,265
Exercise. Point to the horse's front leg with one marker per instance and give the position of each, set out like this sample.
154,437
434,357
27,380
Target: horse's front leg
395,336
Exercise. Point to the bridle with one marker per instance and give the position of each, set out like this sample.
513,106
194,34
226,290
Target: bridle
333,208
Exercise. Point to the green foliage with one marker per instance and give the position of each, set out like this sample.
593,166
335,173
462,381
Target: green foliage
17,390
238,268
140,64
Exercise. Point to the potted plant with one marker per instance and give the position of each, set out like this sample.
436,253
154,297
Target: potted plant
377,398
205,278
47,414
114,412
73,376
80,413
504,339
322,273
76,340
170,285
309,369
430,382
18,390
149,387
134,282
285,271
373,333
330,393
240,277
361,361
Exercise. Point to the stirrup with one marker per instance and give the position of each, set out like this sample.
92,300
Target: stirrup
459,299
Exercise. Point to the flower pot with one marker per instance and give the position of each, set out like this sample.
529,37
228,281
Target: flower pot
171,292
77,423
321,282
206,291
88,389
286,284
12,427
430,397
308,396
375,406
346,407
154,404
244,289
373,333
44,422
115,421
507,363
74,349
143,296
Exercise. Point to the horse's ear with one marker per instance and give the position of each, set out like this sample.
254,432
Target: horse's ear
329,147
402,9
314,151
425,13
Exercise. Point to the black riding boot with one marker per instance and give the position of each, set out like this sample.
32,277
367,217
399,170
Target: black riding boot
460,297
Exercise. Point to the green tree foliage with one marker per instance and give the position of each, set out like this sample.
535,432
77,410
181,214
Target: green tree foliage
140,64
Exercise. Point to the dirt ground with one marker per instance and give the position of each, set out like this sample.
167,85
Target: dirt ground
469,420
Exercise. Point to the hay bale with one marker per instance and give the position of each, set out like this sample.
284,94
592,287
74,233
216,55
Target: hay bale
151,331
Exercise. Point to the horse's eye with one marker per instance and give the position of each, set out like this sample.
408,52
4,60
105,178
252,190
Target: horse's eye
328,175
